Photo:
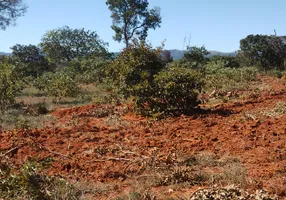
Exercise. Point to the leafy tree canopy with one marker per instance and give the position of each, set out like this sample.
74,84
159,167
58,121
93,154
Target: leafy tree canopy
132,18
10,10
264,51
166,56
30,61
65,44
195,56
10,85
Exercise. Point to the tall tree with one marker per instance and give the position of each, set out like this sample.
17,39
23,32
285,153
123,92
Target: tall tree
132,18
65,44
10,10
265,51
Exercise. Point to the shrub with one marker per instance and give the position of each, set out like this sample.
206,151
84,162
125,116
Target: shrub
10,85
156,90
228,61
225,79
135,67
175,91
58,85
91,70
28,183
195,57
166,56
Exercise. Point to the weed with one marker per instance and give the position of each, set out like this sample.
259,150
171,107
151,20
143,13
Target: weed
28,183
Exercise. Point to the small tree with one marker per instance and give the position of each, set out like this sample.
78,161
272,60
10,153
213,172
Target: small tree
166,56
135,67
10,85
156,90
264,51
10,10
195,56
58,85
176,90
132,18
65,44
228,61
92,70
29,60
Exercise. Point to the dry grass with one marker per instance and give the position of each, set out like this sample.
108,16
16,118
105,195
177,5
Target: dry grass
175,173
25,117
276,111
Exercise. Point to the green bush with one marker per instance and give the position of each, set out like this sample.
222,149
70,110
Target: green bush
156,89
58,85
195,57
28,183
176,90
135,68
226,79
228,61
90,70
10,85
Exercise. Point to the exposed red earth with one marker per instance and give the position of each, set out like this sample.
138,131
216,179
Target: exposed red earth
88,144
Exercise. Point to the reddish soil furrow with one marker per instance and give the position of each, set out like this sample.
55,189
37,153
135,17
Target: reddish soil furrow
97,147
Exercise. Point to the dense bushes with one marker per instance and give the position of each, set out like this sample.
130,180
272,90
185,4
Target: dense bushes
224,79
176,90
140,73
28,183
91,70
157,85
10,85
135,67
195,57
57,85
226,61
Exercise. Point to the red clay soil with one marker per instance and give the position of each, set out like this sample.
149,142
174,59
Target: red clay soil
88,145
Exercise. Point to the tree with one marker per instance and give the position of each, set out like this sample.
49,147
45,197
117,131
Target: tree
227,61
10,85
132,18
264,51
166,57
195,56
30,61
58,85
10,10
135,67
65,44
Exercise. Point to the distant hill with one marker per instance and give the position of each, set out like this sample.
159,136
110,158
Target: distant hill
178,54
175,53
4,54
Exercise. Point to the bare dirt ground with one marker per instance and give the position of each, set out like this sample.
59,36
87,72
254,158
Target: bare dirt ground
115,151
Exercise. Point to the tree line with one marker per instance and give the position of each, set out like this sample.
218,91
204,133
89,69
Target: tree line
157,84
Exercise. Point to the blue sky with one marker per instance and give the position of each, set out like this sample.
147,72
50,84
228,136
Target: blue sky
217,24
